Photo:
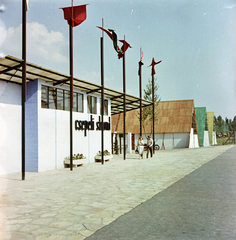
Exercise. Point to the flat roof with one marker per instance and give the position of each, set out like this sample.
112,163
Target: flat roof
11,71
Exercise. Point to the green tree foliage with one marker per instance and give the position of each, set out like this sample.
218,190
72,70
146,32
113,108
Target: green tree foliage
220,123
232,124
147,111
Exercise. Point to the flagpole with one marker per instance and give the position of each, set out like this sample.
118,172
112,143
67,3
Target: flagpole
140,90
23,93
153,100
124,100
153,113
71,90
102,94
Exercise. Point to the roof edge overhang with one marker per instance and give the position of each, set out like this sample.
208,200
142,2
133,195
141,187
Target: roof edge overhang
11,71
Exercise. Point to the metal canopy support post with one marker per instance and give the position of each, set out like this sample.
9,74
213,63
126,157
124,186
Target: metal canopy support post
153,114
71,94
23,93
124,101
102,96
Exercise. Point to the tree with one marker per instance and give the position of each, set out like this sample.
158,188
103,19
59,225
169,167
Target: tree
147,111
232,124
220,124
227,121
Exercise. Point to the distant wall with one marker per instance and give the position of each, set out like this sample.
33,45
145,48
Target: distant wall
169,140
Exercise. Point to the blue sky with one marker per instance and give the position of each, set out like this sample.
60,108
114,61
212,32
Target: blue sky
194,39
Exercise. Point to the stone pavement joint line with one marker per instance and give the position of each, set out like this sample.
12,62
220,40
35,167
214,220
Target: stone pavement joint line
66,205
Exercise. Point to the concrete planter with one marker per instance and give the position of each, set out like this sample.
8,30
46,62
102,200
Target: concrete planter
106,158
76,162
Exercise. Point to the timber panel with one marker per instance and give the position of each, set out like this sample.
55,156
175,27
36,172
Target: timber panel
173,117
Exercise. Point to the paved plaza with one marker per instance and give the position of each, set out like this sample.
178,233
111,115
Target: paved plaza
67,205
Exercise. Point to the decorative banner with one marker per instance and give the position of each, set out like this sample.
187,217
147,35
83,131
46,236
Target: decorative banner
153,64
112,35
124,47
77,13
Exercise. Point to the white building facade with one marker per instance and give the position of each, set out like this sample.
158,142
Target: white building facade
47,126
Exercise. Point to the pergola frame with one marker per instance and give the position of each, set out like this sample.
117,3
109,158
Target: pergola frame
11,71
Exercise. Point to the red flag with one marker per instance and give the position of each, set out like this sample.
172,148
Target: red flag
112,35
141,59
124,47
76,13
109,33
153,64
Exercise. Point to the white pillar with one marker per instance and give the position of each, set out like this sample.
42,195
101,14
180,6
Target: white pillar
129,143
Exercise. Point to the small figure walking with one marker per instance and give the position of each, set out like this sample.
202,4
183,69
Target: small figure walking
149,145
116,145
140,146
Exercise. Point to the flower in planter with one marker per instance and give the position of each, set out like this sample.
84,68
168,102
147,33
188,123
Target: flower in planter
76,156
105,153
79,156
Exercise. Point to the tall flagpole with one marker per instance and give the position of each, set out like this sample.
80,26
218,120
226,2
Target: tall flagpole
153,114
71,90
153,100
23,93
102,94
140,90
124,101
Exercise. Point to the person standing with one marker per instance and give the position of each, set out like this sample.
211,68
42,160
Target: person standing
116,145
140,146
149,145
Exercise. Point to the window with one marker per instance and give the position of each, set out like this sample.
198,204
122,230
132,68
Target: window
52,94
75,102
67,100
80,102
105,107
91,104
60,99
44,97
54,98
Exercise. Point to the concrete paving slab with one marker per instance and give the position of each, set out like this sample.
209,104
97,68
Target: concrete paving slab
199,206
61,204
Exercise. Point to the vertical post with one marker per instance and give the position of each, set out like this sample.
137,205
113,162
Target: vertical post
124,100
71,95
112,151
140,91
120,143
102,95
153,113
23,93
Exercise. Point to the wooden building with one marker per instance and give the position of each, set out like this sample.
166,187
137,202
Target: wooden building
175,127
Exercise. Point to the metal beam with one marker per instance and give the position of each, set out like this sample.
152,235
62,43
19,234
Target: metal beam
94,90
61,81
120,96
10,68
37,67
